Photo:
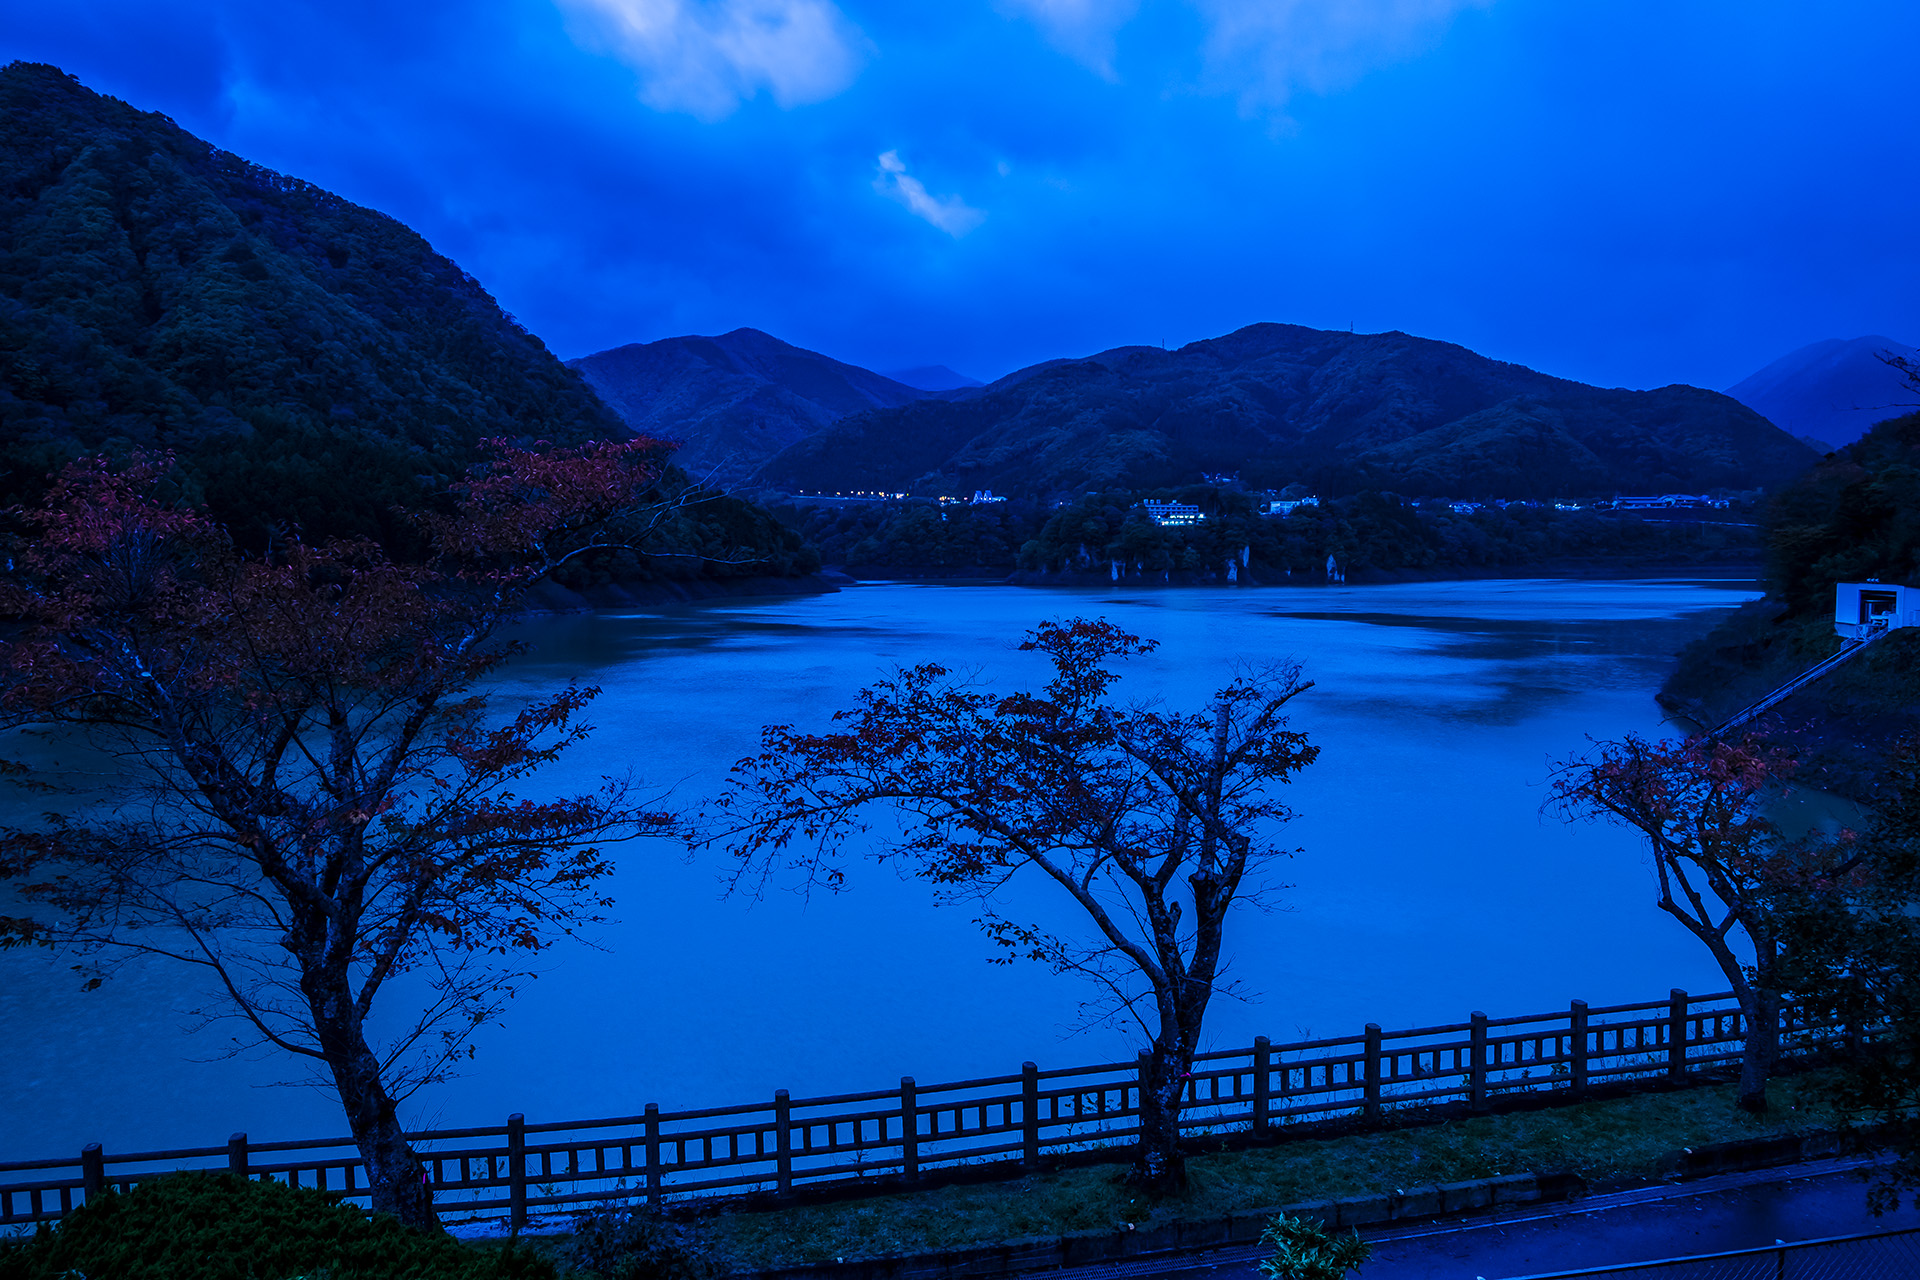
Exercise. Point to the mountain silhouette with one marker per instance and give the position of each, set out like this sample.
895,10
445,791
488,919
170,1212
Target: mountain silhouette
1280,404
1831,391
732,401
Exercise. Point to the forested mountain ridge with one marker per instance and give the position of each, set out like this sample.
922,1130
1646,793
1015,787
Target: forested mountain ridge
1279,404
731,402
307,360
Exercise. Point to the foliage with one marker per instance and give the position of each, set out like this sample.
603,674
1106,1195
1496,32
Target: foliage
198,1226
1855,959
1149,821
1720,861
627,1243
314,800
1341,412
1855,516
1305,1250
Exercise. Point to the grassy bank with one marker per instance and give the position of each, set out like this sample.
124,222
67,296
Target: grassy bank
1614,1141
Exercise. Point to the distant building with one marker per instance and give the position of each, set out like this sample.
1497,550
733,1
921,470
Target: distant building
1173,513
1286,506
1463,508
1666,501
983,496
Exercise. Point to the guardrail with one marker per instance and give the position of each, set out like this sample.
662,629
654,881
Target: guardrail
904,1133
1893,1254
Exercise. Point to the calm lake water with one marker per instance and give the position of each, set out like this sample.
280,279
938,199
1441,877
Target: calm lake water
1428,885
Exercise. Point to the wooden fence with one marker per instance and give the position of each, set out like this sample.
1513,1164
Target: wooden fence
902,1134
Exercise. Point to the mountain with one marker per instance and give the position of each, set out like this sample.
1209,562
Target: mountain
1281,403
308,361
733,401
934,377
1831,391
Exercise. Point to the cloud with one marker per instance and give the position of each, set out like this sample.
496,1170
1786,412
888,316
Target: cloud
949,213
1267,50
704,56
1081,29
1263,50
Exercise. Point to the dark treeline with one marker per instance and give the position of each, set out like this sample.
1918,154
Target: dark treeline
1366,533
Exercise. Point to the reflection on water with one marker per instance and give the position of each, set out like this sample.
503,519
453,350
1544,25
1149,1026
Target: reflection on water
1427,884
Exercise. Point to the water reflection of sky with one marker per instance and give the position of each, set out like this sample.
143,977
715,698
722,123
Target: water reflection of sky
1428,882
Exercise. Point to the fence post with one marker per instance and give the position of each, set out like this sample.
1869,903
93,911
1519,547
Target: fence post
1677,1036
517,1170
909,1129
1262,1071
1373,1075
1143,1071
1029,1115
93,1170
653,1154
783,1140
1477,1063
1577,1072
237,1155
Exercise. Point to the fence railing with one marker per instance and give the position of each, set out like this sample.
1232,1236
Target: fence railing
794,1143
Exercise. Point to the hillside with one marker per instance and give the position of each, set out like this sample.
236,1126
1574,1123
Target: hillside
1831,391
308,360
1853,517
1279,404
733,401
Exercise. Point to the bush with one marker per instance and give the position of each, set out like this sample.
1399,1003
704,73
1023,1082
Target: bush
624,1243
1305,1250
200,1226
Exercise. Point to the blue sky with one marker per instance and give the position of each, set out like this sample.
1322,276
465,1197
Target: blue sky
1629,193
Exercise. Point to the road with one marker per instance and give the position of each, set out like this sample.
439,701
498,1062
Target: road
1737,1211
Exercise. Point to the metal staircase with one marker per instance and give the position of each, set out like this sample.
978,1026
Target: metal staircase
1805,678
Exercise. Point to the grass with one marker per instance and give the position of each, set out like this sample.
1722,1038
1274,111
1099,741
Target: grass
1604,1142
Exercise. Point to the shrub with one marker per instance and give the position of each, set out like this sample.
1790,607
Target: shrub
625,1243
200,1226
1305,1250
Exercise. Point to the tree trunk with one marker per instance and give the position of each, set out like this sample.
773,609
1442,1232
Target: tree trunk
1762,1011
395,1175
1159,1166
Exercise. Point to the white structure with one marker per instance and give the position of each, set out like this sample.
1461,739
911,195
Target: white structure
1173,513
1286,506
1862,608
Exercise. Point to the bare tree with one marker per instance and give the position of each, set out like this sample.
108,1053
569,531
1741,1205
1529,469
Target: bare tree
315,799
1723,867
1152,823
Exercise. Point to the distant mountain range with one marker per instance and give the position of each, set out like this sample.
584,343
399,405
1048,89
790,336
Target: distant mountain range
1831,391
1276,404
733,401
1280,404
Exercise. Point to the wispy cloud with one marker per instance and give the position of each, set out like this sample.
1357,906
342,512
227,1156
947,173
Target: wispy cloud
949,213
704,56
1268,50
1081,29
1263,50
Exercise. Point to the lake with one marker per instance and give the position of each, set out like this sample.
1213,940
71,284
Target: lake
1428,882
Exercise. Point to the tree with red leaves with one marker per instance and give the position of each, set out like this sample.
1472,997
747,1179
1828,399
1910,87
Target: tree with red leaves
1721,863
1151,823
314,798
